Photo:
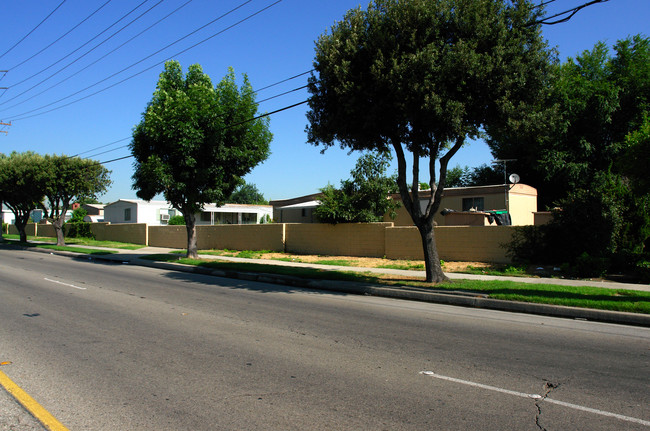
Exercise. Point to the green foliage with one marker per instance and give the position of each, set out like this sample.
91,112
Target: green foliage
422,77
5,227
23,180
362,199
71,179
77,227
592,161
247,194
196,141
177,220
457,177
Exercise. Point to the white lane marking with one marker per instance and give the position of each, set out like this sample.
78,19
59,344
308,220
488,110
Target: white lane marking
65,284
537,397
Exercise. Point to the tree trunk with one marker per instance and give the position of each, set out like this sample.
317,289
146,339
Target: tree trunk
433,268
190,225
21,231
57,223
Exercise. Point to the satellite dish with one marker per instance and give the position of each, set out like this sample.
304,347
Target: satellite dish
514,178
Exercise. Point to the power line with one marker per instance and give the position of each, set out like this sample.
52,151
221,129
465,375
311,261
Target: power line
32,30
62,36
24,115
80,57
77,49
228,126
105,55
252,92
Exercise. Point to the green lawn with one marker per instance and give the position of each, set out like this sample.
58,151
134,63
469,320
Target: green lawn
586,297
81,241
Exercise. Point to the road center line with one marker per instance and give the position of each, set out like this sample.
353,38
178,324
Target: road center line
42,415
65,284
536,397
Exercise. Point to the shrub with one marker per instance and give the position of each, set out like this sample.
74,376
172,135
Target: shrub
177,220
5,226
77,228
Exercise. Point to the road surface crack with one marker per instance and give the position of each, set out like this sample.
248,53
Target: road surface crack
548,388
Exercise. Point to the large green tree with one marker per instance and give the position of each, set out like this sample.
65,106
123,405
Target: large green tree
247,194
70,179
23,180
421,77
196,141
364,198
592,159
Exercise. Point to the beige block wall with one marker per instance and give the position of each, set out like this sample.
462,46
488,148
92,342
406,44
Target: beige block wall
353,239
454,243
134,233
241,237
168,236
30,229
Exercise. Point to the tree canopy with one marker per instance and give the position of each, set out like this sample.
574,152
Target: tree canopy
22,185
423,76
247,194
70,179
196,141
364,198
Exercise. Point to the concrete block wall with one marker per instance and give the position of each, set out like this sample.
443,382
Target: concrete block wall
241,237
30,229
353,239
134,233
168,236
454,243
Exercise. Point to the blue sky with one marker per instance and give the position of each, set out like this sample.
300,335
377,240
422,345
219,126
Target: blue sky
274,44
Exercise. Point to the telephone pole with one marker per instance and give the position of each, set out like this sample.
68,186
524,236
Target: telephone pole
4,124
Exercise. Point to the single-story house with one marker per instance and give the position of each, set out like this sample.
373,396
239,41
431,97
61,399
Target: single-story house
95,212
159,213
465,205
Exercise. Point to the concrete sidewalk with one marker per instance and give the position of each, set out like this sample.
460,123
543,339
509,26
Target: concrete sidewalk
131,255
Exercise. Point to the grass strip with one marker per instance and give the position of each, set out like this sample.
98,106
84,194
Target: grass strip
91,251
573,296
82,241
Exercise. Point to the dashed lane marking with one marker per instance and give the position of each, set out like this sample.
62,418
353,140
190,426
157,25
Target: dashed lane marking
65,284
537,397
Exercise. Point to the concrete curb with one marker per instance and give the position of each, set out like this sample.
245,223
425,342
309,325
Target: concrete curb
449,298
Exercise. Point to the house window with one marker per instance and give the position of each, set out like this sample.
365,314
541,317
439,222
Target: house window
206,216
127,214
304,212
476,203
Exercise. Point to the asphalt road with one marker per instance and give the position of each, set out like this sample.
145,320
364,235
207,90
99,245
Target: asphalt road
114,347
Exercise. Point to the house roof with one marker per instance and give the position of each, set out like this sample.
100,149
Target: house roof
308,204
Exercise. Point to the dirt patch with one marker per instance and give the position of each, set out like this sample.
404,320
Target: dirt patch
370,262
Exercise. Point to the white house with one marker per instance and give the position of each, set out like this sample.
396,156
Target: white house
234,214
139,211
159,213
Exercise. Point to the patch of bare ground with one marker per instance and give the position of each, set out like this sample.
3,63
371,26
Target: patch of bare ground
371,262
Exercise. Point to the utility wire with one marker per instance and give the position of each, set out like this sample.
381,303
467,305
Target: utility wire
62,36
228,126
93,38
252,92
80,57
32,30
104,56
25,115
